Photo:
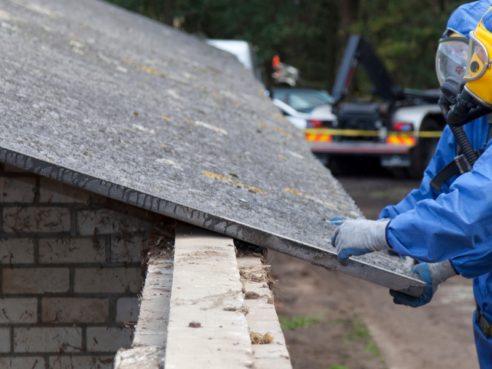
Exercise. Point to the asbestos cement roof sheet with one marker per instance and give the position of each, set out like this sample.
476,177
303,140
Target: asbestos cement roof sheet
115,103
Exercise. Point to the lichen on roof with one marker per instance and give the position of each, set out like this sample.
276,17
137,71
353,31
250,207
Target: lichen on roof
107,100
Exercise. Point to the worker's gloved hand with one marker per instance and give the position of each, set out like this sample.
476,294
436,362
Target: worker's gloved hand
358,237
433,275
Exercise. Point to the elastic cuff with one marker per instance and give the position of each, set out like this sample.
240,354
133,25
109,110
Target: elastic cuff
456,271
386,235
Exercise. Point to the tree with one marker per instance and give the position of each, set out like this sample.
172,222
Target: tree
405,35
311,34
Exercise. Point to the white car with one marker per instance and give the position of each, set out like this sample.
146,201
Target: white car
305,108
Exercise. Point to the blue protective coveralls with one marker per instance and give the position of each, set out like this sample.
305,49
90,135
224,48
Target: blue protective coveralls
455,223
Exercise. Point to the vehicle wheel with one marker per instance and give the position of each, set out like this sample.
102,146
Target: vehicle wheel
422,154
334,165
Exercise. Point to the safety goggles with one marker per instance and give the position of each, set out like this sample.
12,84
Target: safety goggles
478,59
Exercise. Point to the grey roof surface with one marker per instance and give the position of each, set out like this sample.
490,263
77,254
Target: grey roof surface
123,106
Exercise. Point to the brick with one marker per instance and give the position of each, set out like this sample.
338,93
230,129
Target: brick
16,251
47,339
4,339
105,221
72,250
81,362
22,363
126,250
102,339
12,169
74,310
57,192
36,219
18,310
127,309
107,280
17,189
36,280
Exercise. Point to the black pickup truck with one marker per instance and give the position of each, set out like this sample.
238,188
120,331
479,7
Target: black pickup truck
402,129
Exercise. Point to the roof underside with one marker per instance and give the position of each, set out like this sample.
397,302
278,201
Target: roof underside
120,105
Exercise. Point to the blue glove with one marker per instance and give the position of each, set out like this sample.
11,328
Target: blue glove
433,275
358,237
338,221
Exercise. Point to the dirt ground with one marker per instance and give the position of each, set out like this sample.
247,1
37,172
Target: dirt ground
334,321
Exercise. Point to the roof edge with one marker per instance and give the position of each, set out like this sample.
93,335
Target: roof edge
316,255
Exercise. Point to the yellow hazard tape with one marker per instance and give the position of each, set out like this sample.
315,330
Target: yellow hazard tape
361,133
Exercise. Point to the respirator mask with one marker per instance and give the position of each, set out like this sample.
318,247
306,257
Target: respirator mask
475,100
451,58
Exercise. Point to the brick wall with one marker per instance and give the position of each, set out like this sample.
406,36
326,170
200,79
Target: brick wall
70,273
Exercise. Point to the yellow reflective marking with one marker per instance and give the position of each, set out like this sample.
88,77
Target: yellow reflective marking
403,140
409,140
393,140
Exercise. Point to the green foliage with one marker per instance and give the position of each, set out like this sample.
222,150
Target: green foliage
301,32
298,31
358,331
311,34
372,348
299,322
338,367
150,8
405,35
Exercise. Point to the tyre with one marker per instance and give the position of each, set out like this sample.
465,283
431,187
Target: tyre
422,154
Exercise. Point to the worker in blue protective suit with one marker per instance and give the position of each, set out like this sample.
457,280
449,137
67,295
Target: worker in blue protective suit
450,230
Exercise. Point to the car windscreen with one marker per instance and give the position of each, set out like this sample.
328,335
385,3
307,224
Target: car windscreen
306,101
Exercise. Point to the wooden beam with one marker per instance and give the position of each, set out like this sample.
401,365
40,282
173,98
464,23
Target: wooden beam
207,327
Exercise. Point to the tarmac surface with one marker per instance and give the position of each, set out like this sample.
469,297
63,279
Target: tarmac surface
354,324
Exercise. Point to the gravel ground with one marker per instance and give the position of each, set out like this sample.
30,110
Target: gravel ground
334,321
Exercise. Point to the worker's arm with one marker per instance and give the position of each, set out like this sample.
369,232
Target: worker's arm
445,153
456,225
475,262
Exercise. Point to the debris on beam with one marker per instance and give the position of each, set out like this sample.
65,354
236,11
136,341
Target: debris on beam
202,296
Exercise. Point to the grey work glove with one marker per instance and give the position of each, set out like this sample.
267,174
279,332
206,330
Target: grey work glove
433,275
359,237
